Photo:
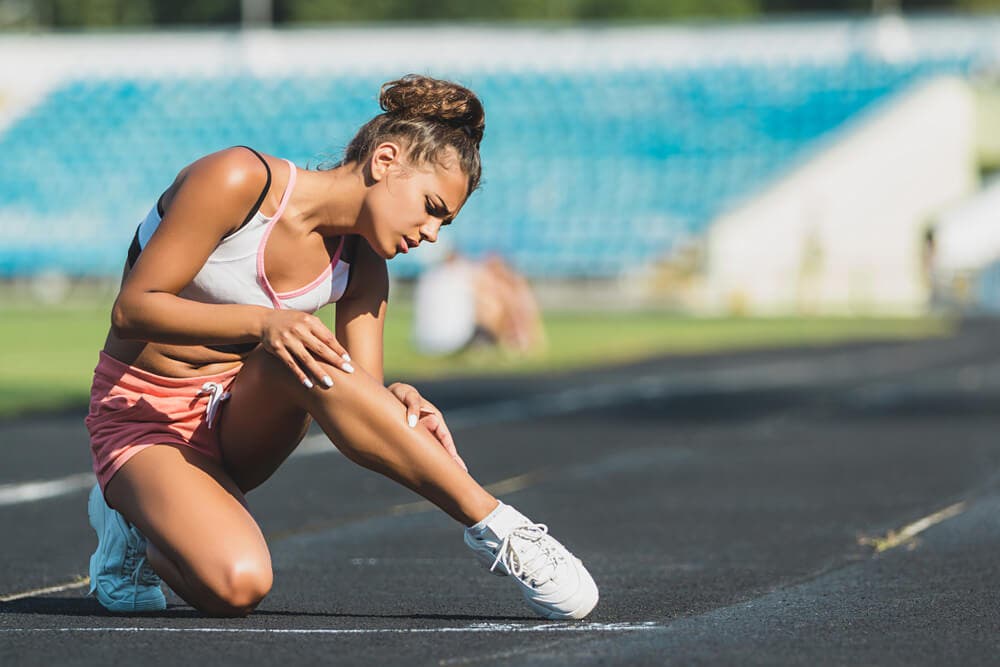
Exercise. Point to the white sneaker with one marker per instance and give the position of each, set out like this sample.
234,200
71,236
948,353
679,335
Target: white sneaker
553,581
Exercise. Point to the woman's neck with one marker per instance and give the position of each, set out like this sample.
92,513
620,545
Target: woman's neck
329,202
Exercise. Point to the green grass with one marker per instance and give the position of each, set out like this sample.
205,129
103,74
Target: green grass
47,355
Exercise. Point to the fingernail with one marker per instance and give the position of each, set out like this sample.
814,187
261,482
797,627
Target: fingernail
349,368
327,381
346,356
308,383
412,420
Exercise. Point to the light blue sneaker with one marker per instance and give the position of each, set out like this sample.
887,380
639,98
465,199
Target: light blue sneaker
120,577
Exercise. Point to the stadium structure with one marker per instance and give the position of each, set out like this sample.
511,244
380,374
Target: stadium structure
764,168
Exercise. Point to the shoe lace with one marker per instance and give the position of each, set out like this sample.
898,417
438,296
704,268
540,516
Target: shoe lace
529,553
144,573
136,564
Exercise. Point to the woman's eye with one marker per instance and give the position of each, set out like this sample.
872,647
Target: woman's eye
435,211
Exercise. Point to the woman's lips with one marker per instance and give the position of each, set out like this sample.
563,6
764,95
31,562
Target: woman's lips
404,247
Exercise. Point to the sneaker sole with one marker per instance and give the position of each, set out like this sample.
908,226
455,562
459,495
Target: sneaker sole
577,614
128,607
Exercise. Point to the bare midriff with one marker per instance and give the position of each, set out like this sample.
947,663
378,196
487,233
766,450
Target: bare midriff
180,361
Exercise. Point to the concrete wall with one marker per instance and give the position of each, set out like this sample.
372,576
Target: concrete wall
844,231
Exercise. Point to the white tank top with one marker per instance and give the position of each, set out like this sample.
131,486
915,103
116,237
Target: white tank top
234,272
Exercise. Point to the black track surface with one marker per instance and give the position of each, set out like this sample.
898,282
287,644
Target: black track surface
722,504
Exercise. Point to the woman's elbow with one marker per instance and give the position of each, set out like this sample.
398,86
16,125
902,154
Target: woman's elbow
121,324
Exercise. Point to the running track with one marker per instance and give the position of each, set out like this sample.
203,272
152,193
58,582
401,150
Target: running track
832,506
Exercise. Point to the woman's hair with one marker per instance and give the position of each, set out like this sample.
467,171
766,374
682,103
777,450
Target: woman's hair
427,116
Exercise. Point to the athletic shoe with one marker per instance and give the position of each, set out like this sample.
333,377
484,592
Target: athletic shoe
553,581
120,577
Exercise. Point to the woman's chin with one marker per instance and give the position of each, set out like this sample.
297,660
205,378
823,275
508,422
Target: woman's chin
385,253
401,249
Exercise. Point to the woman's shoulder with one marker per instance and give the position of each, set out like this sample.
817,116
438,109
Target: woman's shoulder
236,170
237,165
234,174
220,186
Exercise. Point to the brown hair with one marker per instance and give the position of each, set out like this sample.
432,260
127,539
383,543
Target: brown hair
428,115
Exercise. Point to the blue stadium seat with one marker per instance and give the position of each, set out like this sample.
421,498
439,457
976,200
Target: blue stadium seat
586,173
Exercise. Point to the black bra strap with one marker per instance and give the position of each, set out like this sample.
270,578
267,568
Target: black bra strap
267,186
134,249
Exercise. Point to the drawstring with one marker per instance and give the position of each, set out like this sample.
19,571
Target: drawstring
217,394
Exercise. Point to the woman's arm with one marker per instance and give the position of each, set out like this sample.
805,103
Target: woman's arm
210,203
360,318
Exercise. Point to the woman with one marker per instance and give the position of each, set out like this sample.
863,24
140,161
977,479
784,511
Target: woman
215,365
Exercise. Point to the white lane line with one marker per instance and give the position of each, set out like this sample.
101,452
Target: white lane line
474,628
894,538
58,588
27,492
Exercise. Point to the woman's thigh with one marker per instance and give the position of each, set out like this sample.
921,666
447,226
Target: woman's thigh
190,511
259,426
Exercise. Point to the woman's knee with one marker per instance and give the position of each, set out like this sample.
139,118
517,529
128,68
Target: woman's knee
239,586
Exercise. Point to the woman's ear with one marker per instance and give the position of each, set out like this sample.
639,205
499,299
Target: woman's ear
384,156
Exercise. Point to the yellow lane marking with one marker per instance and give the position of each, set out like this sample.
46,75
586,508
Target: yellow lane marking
894,538
504,486
79,582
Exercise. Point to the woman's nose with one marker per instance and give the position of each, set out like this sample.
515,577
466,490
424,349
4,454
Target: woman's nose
430,232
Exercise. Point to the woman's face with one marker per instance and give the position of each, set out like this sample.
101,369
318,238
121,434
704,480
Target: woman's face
408,204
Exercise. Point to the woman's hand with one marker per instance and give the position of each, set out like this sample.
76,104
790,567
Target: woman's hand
421,411
299,339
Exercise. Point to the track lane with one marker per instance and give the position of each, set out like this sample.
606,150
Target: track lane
681,505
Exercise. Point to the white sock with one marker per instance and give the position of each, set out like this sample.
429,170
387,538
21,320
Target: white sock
478,528
499,522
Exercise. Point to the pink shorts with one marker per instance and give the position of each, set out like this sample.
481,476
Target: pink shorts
131,409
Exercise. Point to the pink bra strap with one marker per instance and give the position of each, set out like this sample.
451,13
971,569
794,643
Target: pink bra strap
292,175
261,277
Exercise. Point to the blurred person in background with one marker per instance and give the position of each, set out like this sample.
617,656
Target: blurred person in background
215,365
461,303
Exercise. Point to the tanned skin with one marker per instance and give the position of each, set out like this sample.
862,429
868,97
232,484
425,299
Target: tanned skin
202,539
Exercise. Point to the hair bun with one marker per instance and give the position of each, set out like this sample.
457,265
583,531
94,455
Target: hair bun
416,96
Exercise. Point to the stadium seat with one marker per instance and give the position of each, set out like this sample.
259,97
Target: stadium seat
586,173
